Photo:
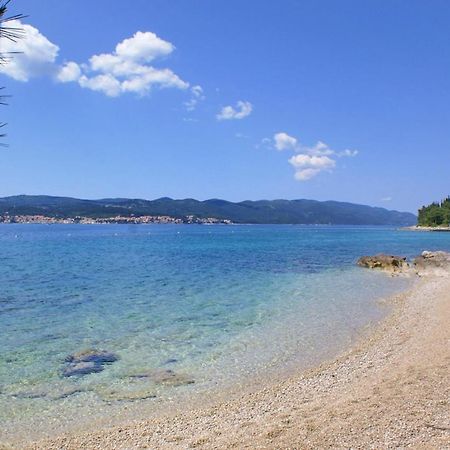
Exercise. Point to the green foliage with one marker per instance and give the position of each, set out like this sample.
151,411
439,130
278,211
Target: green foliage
436,214
11,34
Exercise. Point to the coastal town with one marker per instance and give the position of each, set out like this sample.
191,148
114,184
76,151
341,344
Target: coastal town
130,220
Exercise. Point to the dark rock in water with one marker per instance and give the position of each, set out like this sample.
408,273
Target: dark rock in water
67,393
81,368
139,375
87,361
384,262
171,361
92,355
125,395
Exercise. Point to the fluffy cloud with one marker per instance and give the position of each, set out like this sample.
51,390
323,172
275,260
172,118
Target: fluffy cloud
307,166
70,71
309,161
284,142
36,54
242,109
143,46
126,69
102,83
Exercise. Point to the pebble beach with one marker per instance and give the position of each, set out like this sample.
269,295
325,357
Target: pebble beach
390,390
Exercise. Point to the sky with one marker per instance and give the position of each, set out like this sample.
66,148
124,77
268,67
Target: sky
327,100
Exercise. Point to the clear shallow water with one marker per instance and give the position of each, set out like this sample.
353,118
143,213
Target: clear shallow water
216,305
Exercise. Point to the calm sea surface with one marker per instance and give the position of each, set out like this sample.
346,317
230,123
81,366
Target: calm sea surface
187,310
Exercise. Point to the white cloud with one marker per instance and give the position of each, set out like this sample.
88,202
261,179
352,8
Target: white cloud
143,46
348,152
142,83
131,54
319,149
197,96
307,166
127,69
309,161
70,71
306,161
265,143
242,109
306,174
36,55
386,199
104,83
284,142
112,64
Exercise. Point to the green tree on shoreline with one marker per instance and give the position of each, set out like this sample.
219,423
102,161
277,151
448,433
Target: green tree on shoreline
436,214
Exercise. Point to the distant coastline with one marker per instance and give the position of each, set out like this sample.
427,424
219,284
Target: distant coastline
130,220
50,209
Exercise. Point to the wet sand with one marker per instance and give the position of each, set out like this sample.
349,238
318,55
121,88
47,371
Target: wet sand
391,390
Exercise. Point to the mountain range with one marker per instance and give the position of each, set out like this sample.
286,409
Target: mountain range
254,212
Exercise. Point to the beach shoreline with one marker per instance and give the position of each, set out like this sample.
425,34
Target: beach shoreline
442,229
390,390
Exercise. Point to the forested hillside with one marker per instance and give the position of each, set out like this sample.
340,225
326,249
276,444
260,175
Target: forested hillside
262,211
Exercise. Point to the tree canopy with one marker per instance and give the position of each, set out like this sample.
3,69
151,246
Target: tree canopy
436,214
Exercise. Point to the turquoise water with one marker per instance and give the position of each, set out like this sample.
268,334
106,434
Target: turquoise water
187,310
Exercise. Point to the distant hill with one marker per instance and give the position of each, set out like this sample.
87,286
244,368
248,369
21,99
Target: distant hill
256,212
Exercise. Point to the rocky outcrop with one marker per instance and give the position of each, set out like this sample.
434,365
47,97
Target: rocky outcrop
432,263
428,263
384,262
87,361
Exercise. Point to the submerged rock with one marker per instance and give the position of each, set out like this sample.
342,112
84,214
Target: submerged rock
109,395
384,262
81,368
87,361
68,392
49,392
165,377
171,361
33,394
92,355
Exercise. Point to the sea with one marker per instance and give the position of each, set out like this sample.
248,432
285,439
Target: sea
188,311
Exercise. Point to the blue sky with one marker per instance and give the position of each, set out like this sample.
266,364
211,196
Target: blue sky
342,100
